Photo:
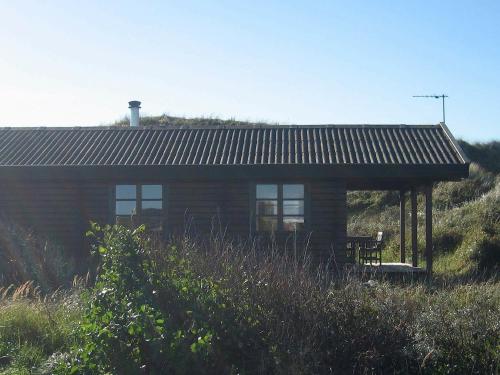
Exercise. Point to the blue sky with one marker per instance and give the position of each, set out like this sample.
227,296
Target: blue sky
288,62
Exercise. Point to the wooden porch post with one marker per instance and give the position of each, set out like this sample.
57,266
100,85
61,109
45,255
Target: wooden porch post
414,244
428,228
402,225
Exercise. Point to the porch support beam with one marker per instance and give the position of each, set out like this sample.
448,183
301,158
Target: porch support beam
414,244
402,226
428,229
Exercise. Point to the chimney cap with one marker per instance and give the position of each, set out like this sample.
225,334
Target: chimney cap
134,104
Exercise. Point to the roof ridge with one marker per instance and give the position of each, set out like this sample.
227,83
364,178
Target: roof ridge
220,126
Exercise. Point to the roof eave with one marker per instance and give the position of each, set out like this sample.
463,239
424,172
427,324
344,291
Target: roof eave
454,142
397,173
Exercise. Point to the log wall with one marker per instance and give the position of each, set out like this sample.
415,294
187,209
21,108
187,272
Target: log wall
63,210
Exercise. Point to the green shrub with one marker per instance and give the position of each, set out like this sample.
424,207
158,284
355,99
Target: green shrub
310,323
450,194
138,318
487,253
219,307
458,331
446,240
485,154
362,200
166,120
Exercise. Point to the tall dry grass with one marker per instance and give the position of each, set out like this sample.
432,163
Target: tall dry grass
36,327
265,312
297,318
29,256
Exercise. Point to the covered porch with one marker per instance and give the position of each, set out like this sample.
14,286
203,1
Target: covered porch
408,164
364,252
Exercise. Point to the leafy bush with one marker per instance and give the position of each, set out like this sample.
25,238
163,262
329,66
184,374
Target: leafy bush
220,307
27,256
137,318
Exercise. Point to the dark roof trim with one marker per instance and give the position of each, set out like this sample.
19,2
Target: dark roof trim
364,174
454,142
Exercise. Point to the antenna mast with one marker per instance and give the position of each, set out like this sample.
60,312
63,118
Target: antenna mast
442,96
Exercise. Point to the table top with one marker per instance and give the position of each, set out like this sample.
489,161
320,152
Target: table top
359,238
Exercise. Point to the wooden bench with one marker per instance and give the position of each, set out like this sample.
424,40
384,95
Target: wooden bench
371,250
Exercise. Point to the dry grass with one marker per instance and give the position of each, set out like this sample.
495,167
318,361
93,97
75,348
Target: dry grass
25,255
276,313
303,320
34,326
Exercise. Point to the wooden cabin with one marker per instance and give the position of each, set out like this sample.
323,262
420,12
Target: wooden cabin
247,180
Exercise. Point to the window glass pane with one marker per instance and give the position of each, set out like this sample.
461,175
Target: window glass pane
293,191
152,207
293,223
151,192
125,191
267,191
267,224
268,207
293,207
125,207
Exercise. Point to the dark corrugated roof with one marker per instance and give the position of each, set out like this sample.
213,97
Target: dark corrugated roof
272,145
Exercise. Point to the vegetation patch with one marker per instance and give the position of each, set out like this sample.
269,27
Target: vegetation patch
222,307
35,327
26,256
219,307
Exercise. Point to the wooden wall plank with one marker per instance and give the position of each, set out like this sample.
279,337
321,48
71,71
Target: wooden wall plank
63,212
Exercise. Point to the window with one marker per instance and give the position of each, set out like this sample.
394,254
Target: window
267,208
140,204
293,207
279,207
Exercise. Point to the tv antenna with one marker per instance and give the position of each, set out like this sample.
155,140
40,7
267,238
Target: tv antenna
442,96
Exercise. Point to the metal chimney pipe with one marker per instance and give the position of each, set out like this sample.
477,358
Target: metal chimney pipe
134,106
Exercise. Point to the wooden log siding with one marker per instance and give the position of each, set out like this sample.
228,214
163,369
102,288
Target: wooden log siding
219,207
328,221
62,211
59,211
201,208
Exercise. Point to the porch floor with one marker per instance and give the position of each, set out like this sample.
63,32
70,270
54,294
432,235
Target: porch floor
392,268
